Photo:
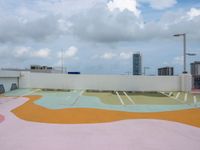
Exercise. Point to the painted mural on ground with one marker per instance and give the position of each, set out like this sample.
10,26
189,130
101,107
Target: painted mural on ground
111,129
31,112
55,100
121,135
147,98
79,107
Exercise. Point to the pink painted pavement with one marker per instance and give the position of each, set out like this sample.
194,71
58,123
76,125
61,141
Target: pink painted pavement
1,118
16,134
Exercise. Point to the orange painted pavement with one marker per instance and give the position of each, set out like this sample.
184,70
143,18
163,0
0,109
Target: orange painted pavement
31,112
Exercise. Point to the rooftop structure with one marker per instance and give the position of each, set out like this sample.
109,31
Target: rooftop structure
195,68
166,71
38,68
195,71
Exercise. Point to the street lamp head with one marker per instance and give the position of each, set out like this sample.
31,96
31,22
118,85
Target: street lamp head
191,54
176,35
179,34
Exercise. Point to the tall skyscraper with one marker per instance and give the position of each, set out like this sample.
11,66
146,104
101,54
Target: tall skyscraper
137,64
195,71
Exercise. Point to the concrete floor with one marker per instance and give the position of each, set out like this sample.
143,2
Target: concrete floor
142,134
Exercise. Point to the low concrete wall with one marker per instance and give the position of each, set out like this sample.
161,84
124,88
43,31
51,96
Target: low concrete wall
186,82
9,74
100,82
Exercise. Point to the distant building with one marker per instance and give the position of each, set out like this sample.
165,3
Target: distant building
166,71
195,71
74,73
38,68
137,64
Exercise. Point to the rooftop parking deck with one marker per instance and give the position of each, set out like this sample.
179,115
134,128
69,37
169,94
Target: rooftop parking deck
83,113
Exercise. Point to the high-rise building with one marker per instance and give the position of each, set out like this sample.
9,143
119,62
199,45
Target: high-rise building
137,64
195,71
166,71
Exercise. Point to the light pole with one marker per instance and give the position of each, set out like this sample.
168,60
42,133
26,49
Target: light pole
184,51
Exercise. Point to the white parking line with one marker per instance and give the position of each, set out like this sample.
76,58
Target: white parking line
177,96
130,99
183,102
170,94
120,98
185,98
195,100
77,98
166,95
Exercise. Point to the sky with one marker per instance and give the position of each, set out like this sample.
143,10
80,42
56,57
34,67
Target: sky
98,36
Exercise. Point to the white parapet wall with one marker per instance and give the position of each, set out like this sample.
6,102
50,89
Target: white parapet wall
186,82
101,82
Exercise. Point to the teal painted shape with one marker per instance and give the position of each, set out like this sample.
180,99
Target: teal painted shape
18,92
57,100
61,100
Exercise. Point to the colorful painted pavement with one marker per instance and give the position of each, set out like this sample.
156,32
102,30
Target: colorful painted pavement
32,122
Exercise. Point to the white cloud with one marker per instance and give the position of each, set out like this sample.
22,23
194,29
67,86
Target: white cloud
109,27
21,56
178,60
160,4
69,53
124,26
42,53
96,27
27,52
130,5
111,55
95,57
193,13
124,55
16,29
108,55
64,25
65,7
21,51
